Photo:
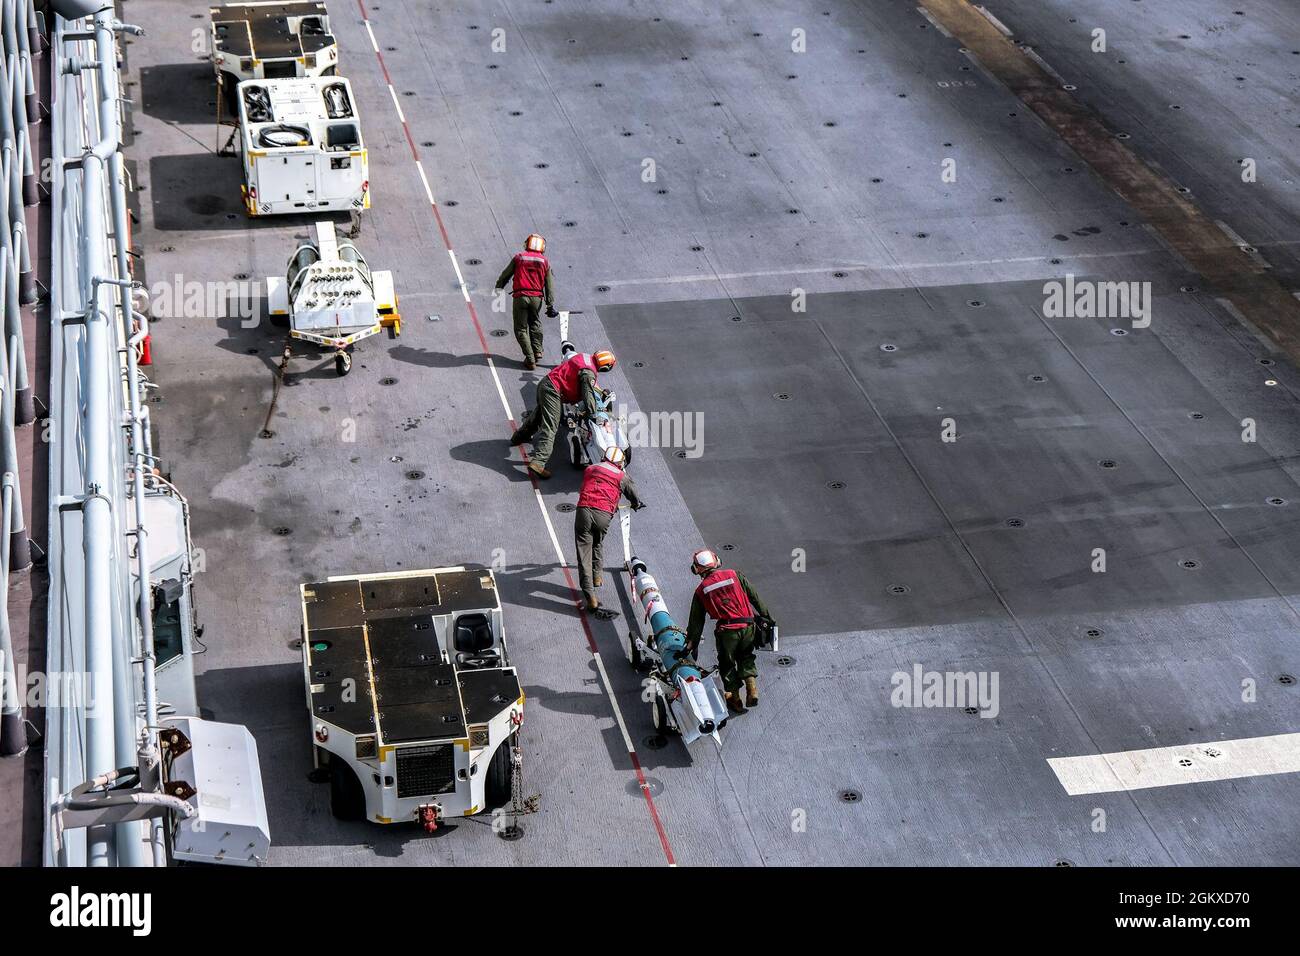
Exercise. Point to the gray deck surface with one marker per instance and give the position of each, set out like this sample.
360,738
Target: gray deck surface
937,786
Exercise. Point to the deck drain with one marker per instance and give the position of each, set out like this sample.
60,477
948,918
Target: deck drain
500,333
876,179
252,351
835,485
1189,565
923,235
970,711
388,381
266,433
414,475
638,364
785,660
1015,522
1063,862
284,532
602,288
427,142
782,396
1038,378
728,547
241,276
654,742
1195,416
850,796
680,454
1266,361
167,249
395,458
736,318
1123,136
1093,632
697,248
1277,501
1107,463
889,347
511,833
1119,331
838,275
516,113
564,507
451,202
1187,288
653,786
473,262
1286,679
569,224
898,589
541,165
975,304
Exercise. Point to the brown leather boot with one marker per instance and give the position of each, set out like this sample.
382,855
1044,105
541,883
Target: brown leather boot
751,692
539,470
591,601
733,702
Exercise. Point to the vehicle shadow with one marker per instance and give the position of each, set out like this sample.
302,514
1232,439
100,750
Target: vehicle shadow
180,92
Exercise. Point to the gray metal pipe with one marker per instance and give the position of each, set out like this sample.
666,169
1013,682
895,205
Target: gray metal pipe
13,726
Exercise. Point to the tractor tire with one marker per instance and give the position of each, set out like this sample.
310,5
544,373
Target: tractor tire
498,789
347,800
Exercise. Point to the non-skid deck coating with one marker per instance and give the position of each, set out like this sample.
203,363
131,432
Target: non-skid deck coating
365,476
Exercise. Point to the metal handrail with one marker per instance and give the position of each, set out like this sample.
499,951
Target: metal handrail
99,620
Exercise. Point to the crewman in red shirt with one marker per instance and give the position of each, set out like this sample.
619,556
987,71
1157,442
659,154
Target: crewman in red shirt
727,597
532,281
572,381
602,485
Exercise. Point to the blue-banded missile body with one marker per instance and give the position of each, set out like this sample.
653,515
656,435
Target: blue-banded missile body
694,698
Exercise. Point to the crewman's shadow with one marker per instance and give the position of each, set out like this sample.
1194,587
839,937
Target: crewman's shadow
495,454
522,585
426,358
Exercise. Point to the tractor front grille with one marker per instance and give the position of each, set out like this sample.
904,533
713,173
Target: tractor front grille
426,771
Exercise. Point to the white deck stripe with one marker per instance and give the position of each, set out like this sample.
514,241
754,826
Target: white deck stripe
1171,766
501,392
398,106
456,265
425,179
618,711
373,42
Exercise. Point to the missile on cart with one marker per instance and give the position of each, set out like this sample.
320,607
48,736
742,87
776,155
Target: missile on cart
687,696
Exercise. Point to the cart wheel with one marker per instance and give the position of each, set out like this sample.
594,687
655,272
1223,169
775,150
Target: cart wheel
627,456
659,715
498,788
347,799
342,363
575,451
634,653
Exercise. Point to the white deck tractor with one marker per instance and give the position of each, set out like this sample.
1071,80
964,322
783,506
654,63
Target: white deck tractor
330,297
